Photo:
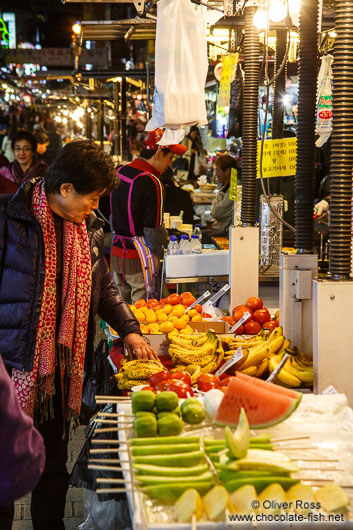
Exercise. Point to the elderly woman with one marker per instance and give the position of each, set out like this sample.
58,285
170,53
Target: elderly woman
25,166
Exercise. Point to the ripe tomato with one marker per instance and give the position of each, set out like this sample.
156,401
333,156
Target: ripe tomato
254,303
162,386
188,300
206,315
186,294
252,327
180,388
140,303
240,330
223,388
262,315
163,301
239,311
198,308
271,325
227,380
148,388
208,378
151,302
277,321
182,376
208,386
174,299
156,307
159,377
229,319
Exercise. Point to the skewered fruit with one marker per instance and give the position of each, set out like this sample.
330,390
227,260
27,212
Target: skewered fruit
188,505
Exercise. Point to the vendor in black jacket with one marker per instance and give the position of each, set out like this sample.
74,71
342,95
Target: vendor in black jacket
53,281
176,199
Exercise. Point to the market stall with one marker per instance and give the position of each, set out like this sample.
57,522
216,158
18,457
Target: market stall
320,459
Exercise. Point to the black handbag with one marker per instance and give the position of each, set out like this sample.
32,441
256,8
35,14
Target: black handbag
99,383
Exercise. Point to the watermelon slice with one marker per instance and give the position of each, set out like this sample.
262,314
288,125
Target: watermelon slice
262,406
269,386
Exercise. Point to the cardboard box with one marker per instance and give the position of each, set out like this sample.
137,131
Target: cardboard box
216,325
158,342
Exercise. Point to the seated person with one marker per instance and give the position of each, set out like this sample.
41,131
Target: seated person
222,209
176,199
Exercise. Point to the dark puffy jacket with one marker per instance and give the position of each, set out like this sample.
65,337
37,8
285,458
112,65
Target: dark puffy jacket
22,272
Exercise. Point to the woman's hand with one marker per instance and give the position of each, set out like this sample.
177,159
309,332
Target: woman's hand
138,348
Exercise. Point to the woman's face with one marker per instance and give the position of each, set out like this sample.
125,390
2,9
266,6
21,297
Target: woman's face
23,152
193,135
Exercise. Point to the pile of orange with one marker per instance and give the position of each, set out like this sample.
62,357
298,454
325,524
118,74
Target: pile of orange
167,314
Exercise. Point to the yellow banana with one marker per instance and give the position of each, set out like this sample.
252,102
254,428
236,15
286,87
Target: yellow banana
254,358
127,384
262,367
275,345
288,378
277,332
250,370
306,376
274,361
286,344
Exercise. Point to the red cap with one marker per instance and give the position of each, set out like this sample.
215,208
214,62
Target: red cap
153,137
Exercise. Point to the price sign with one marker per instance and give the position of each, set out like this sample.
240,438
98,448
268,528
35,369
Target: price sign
279,158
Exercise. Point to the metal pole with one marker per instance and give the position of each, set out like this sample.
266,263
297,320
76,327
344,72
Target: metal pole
117,150
100,122
124,151
148,88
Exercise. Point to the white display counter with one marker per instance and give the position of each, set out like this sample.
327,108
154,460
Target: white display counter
209,263
324,456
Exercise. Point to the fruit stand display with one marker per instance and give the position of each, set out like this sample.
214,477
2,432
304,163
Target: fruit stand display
199,463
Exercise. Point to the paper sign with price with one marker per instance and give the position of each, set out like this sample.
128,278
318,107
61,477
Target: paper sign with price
279,158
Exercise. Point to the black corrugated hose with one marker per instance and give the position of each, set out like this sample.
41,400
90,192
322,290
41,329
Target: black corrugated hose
304,185
279,85
250,105
342,143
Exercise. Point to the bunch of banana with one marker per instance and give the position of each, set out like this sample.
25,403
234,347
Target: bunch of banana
203,350
297,370
233,343
255,361
185,352
137,372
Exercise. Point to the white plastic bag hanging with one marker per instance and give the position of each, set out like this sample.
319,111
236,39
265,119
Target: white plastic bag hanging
324,101
180,64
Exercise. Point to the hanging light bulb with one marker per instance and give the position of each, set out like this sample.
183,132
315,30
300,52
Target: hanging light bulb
277,11
294,6
260,19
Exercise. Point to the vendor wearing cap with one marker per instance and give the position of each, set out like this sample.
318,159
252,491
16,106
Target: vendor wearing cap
137,217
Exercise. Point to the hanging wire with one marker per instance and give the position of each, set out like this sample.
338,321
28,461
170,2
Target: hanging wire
268,82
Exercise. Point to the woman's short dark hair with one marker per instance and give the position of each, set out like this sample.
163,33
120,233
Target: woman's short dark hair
226,161
25,135
85,165
41,138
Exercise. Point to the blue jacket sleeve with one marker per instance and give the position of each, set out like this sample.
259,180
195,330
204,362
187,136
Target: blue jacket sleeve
21,446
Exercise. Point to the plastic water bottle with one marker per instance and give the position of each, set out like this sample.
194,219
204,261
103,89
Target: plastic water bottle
196,246
173,247
184,244
197,232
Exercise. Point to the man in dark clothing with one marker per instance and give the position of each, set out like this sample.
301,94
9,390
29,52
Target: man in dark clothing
53,282
137,217
55,145
176,199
